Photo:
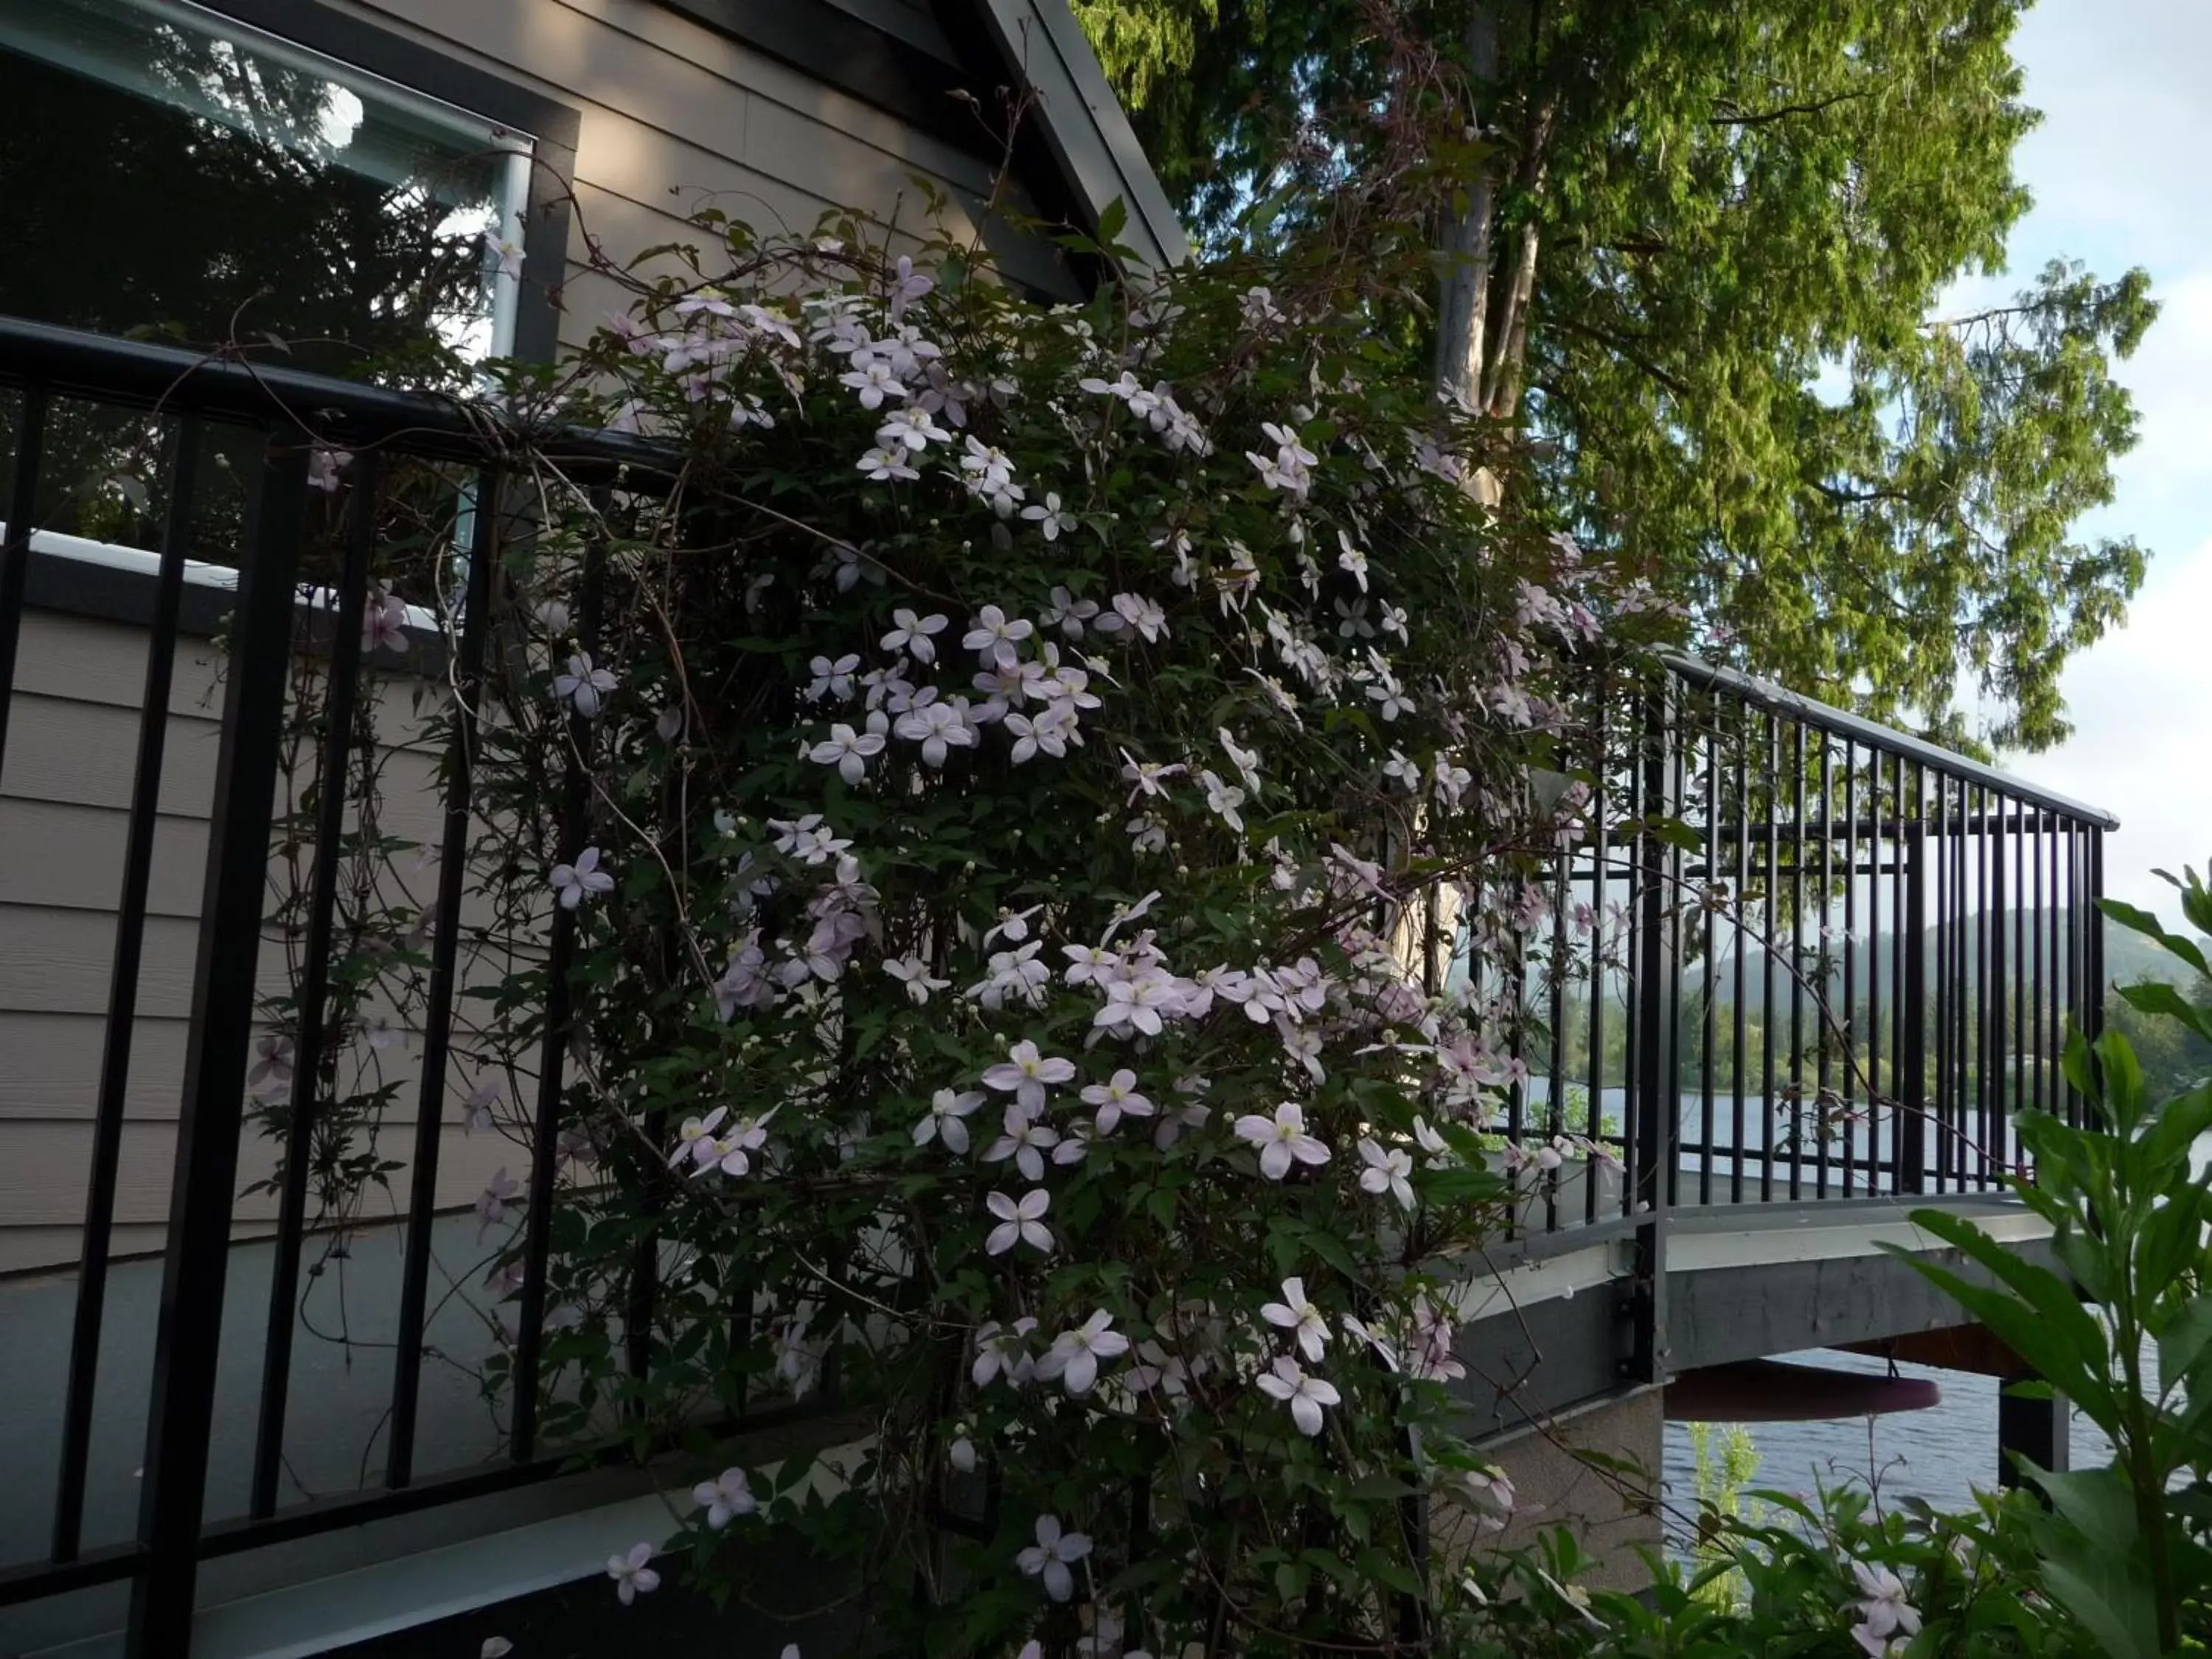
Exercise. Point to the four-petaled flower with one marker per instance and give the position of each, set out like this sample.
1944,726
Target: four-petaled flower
1304,1393
946,1108
633,1573
572,884
1386,1171
1307,1326
1883,1610
912,634
1021,1222
1048,517
324,465
848,750
724,1497
913,972
505,246
1050,1555
993,634
1282,1139
1115,1099
500,1191
1074,1355
1025,1072
584,685
384,623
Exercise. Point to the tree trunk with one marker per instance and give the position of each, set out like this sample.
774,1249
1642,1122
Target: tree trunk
1463,299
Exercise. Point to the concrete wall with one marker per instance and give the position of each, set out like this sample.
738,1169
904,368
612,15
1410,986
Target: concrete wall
1610,1517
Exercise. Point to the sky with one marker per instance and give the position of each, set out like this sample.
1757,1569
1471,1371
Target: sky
2121,170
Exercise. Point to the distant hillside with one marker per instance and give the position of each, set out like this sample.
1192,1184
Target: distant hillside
2128,957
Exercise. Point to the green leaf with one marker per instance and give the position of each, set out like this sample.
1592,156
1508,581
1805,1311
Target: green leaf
1111,221
2142,922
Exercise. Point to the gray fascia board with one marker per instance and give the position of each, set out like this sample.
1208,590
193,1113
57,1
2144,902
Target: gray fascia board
1084,123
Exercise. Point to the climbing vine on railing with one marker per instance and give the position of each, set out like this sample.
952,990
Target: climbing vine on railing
1001,829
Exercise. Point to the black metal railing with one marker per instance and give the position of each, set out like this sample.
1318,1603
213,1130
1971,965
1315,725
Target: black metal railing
221,470
1791,957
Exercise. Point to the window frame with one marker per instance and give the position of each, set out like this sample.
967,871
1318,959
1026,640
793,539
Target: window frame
379,53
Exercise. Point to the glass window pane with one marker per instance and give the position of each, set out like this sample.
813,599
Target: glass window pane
163,169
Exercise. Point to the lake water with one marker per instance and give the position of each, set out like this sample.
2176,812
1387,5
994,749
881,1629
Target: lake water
1940,1453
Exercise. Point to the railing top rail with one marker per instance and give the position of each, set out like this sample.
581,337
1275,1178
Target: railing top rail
1764,694
178,379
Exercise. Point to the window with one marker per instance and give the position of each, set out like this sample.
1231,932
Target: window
165,167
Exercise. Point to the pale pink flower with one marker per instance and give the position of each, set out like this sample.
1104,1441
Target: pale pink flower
1074,1355
1282,1139
724,1497
572,884
633,1573
1019,1223
1305,1395
1116,1099
1025,1072
946,1109
1386,1172
1307,1326
584,685
1049,1558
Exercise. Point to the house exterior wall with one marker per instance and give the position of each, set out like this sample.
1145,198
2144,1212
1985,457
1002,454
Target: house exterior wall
676,116
65,805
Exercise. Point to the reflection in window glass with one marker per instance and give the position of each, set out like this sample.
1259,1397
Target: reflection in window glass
164,168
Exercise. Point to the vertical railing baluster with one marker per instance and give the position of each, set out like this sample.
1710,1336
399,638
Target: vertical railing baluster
1709,1003
2021,925
1737,1030
2040,983
15,549
1600,883
1995,995
181,1413
1556,1083
1912,1085
312,1041
2094,989
1827,1021
1978,998
1659,1009
180,463
468,693
1773,913
1797,968
575,813
1848,1027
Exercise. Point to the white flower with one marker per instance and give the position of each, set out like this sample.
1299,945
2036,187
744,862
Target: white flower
1351,561
1048,517
505,247
961,1454
324,465
885,462
1300,1316
500,1191
726,1497
633,1573
938,727
1305,1395
1137,1005
912,634
1074,1355
1069,614
1883,1610
908,285
833,679
848,750
495,1647
1405,771
1051,1555
1386,1172
1488,1492
384,622
1282,1139
572,884
584,685
1146,777
1222,800
946,1109
994,636
1025,1142
874,383
1246,761
912,429
913,972
1116,1099
1018,1223
1003,1353
1141,614
1025,1072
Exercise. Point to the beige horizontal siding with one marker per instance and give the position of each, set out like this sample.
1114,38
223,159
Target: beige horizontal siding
64,822
675,117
